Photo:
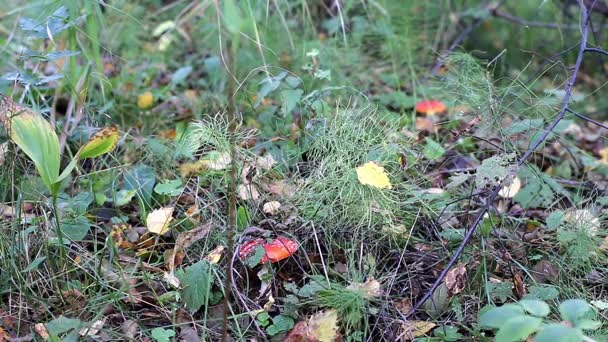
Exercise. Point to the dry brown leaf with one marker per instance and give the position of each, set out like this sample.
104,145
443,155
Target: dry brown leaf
93,329
4,336
455,279
129,329
40,329
248,192
371,287
271,207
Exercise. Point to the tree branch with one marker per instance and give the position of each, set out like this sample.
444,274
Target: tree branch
492,197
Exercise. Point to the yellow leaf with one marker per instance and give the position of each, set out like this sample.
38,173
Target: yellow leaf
323,326
511,190
158,220
373,175
414,329
145,100
102,142
215,255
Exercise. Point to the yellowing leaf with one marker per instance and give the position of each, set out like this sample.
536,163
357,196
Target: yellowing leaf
324,326
158,220
373,175
102,142
215,255
414,329
271,207
145,100
371,288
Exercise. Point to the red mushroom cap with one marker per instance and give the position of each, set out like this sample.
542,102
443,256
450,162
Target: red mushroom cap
430,107
248,247
279,249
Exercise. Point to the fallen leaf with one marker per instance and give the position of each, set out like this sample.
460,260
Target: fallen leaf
158,220
373,175
40,329
415,329
248,192
3,150
371,288
218,160
603,155
271,207
455,279
266,162
129,329
584,220
215,255
510,190
4,336
145,100
93,329
321,327
171,279
404,306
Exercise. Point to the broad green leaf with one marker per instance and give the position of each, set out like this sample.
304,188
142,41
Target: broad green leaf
233,18
280,323
438,303
572,310
62,324
554,220
558,332
169,187
196,283
181,74
35,136
518,328
102,142
535,307
76,229
124,197
432,149
162,335
290,97
496,317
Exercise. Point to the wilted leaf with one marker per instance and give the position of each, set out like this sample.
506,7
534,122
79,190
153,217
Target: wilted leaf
158,220
102,142
509,191
371,288
323,326
455,279
373,175
271,207
215,255
414,329
248,192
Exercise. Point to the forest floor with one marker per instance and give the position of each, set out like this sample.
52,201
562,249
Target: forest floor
303,171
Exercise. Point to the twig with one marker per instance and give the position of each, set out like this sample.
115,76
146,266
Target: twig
588,119
524,22
490,199
597,50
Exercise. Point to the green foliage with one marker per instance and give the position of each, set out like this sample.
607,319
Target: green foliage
196,283
162,335
516,322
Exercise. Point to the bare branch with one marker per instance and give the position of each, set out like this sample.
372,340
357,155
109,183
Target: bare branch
492,197
597,50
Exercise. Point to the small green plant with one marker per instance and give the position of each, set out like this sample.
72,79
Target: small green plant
528,317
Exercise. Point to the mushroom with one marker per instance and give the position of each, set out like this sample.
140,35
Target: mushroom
430,107
276,250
